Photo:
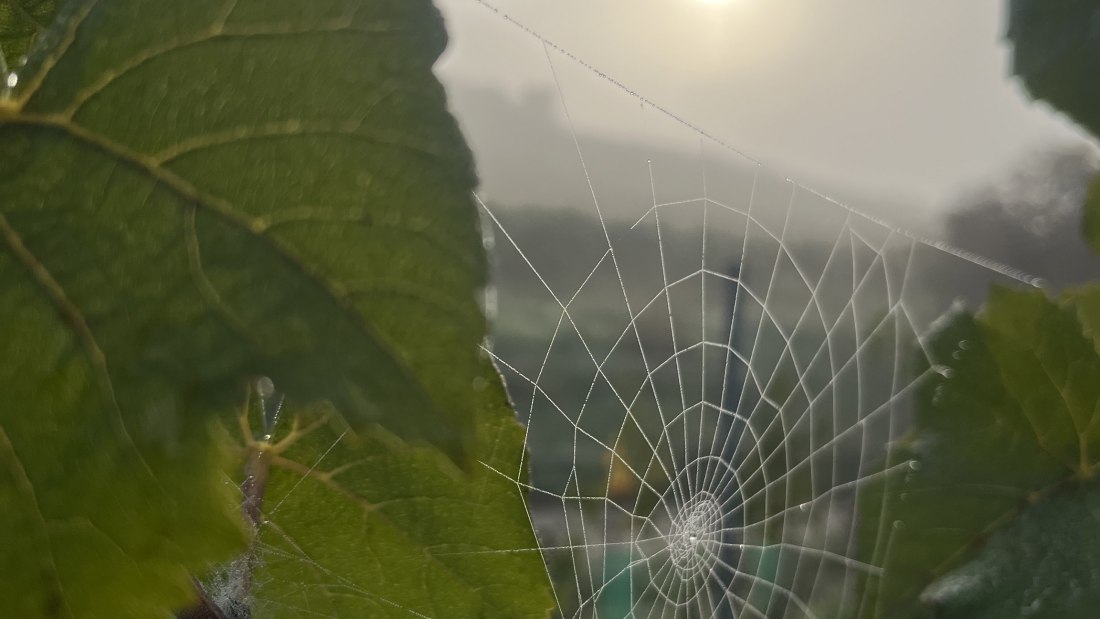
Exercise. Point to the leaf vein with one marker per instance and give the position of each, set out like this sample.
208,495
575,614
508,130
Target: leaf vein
70,314
281,129
213,33
26,487
62,48
217,206
28,16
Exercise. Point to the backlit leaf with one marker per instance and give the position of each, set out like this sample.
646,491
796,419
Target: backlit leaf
193,194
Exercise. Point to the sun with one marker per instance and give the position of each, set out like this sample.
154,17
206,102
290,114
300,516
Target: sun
721,3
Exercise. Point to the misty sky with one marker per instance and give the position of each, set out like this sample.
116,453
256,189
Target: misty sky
910,101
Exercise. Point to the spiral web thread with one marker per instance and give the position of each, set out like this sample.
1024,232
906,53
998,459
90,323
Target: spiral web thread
750,353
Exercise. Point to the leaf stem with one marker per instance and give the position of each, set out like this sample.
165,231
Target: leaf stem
257,464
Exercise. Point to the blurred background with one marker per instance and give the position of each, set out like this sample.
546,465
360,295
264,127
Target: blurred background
750,340
905,109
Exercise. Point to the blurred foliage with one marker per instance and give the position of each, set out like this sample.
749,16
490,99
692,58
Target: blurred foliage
1092,215
997,516
1042,564
1005,444
199,193
1056,52
1030,219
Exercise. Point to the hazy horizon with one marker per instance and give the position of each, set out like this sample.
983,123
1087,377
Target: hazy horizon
911,109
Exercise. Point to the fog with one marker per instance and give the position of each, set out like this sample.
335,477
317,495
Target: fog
899,109
726,237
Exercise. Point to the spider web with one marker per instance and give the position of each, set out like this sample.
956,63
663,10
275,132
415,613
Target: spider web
710,386
711,361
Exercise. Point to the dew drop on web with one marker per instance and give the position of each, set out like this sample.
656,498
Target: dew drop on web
265,388
271,404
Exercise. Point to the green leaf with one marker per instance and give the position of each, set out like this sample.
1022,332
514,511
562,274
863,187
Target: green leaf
1043,564
21,21
193,194
1091,221
374,528
1057,54
1007,428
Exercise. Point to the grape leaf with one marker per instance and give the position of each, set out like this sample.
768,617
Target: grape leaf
1042,564
1057,54
1005,428
195,193
21,21
373,528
